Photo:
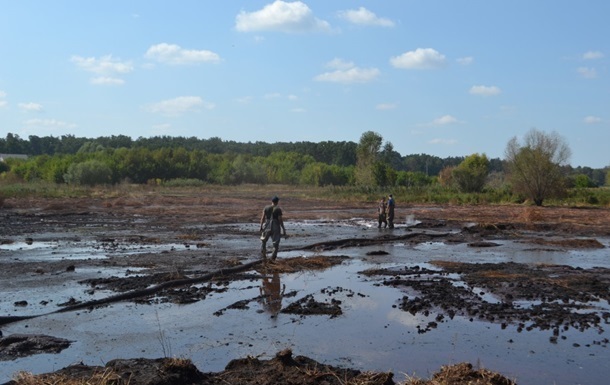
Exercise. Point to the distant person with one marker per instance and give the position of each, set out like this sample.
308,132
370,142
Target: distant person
381,213
390,211
272,226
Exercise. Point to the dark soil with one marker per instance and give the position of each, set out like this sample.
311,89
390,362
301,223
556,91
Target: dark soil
560,294
282,369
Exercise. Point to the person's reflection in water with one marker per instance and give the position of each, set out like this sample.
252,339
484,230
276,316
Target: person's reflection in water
271,293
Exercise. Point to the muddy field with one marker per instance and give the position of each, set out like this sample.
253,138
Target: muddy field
173,287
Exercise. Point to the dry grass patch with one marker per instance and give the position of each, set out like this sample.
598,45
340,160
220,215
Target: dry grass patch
105,377
462,374
533,214
178,363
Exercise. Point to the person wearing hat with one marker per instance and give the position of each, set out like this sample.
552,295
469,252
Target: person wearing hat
272,226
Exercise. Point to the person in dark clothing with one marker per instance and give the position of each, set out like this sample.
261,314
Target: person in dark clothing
272,226
390,211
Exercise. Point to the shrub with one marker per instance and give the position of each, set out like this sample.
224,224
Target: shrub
89,173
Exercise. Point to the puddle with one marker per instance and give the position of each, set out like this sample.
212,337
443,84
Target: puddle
389,340
371,334
47,251
46,299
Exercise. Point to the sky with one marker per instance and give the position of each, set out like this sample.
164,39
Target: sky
439,77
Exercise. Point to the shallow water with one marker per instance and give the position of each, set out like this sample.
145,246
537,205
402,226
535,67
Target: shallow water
372,333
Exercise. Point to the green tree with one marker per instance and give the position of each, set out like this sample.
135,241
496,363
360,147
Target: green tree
471,174
535,167
582,181
413,179
367,153
90,173
374,165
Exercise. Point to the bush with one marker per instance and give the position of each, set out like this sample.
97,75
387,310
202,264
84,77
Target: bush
89,173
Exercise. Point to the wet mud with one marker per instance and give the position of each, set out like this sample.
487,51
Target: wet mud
179,252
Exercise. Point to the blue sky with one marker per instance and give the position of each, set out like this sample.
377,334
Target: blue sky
445,78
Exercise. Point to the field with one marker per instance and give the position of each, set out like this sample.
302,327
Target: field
157,280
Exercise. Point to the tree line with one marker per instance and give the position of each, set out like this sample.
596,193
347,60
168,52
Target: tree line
536,169
332,153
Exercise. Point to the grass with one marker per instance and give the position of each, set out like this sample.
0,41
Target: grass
105,377
434,194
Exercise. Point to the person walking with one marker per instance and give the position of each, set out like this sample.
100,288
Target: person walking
381,213
391,205
272,226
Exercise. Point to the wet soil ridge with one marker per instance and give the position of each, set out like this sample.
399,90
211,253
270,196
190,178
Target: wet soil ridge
23,345
360,242
284,368
544,297
135,294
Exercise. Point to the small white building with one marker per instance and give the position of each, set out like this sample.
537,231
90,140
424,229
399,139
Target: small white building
7,156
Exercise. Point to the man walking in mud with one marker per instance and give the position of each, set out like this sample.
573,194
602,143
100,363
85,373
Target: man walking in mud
391,211
272,226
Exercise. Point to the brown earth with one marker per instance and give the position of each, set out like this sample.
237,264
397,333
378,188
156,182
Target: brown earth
171,214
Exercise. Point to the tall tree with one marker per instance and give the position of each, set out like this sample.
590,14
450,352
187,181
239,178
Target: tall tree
535,167
367,154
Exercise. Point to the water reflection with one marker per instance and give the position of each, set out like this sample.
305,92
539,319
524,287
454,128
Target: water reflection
272,292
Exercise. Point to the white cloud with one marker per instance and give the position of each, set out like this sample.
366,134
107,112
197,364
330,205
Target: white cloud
485,90
298,110
465,61
592,55
421,58
346,73
106,80
444,120
448,142
106,67
50,123
36,107
587,73
352,75
103,66
386,106
592,120
180,105
363,16
340,64
281,16
174,54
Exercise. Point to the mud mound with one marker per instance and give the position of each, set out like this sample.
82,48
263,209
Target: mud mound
282,369
553,298
23,345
